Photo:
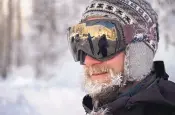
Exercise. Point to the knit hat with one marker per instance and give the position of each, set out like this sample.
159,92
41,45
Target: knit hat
125,11
142,32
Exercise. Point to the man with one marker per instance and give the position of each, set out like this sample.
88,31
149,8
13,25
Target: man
90,42
126,81
102,45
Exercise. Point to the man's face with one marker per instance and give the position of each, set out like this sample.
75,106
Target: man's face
100,75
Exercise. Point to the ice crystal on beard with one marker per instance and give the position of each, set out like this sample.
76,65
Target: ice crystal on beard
117,80
100,112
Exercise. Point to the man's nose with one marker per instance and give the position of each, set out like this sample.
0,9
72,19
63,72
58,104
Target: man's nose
91,61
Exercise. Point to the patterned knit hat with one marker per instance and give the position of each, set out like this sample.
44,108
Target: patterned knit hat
125,11
142,33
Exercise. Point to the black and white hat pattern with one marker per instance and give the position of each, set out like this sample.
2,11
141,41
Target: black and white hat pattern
126,11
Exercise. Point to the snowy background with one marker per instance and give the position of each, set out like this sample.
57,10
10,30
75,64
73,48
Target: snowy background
22,94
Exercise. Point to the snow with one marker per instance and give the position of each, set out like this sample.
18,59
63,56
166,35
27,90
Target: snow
22,94
37,100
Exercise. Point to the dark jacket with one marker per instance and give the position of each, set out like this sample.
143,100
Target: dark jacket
147,98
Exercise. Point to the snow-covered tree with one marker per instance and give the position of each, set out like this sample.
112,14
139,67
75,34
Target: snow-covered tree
44,39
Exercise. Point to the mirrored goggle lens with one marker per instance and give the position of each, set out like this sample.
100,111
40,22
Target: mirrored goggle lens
99,39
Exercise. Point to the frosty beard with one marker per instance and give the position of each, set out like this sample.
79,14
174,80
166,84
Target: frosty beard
103,92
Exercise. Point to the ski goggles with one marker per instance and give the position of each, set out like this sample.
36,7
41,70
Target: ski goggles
101,39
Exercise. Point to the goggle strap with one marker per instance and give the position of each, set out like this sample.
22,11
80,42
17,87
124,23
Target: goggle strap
82,57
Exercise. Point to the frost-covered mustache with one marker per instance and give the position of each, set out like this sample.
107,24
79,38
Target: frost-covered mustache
96,69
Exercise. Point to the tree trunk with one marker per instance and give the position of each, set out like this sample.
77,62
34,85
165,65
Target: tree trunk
2,28
8,40
19,55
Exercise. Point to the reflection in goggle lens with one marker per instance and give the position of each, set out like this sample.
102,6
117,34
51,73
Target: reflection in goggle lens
99,39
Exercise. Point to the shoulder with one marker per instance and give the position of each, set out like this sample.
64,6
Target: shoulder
167,89
167,85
